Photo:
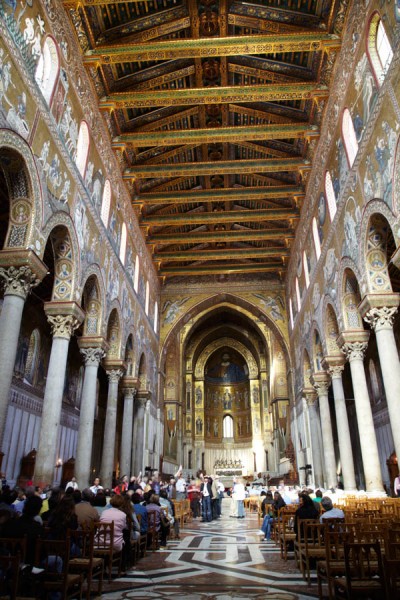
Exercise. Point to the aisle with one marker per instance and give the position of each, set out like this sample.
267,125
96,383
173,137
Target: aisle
222,559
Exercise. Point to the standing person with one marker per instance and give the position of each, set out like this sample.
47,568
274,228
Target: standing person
194,497
396,486
240,493
180,485
72,484
206,496
122,485
221,491
171,489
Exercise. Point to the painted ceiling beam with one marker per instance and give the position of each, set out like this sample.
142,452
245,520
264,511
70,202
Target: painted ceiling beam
272,165
221,134
222,269
216,254
219,195
233,235
204,47
237,216
214,95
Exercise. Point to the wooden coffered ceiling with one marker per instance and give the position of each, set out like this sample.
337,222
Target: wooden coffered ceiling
214,108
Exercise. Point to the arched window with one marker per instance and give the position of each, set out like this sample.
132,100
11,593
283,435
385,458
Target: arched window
298,297
227,426
47,68
155,325
330,195
122,248
291,313
147,301
305,267
106,203
379,49
349,137
82,148
317,243
136,282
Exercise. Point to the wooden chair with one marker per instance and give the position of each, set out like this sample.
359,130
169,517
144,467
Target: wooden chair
104,546
9,576
364,572
286,535
53,556
313,548
87,565
142,539
152,533
333,565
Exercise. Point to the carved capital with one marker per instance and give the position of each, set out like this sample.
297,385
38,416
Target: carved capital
18,281
310,396
92,356
381,318
63,326
129,392
141,401
114,375
320,382
335,371
354,350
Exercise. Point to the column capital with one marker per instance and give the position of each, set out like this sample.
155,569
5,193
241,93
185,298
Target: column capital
64,317
310,395
114,375
334,365
378,310
129,384
353,343
320,381
92,356
20,271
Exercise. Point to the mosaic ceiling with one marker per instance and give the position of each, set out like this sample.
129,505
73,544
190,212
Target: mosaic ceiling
214,109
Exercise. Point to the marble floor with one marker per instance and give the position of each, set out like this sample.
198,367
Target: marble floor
214,561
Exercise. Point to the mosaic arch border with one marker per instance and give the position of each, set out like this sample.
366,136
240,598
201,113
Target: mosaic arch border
10,139
326,302
62,219
315,326
196,311
346,263
115,305
375,207
94,269
215,345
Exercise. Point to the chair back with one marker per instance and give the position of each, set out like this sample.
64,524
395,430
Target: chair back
363,564
9,575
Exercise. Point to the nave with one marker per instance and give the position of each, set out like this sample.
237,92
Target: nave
218,560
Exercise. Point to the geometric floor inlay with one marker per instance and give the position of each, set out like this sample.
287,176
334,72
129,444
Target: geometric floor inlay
220,560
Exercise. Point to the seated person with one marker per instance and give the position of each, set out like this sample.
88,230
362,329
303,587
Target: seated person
306,510
330,511
116,514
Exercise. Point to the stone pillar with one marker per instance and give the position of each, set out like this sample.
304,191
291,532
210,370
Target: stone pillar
64,318
129,391
115,370
20,271
139,429
335,366
315,435
93,350
320,381
381,320
353,345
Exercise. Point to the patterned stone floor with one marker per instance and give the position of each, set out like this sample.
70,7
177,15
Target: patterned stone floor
214,561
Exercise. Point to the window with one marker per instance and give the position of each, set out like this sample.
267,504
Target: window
227,426
298,297
136,282
317,243
379,48
155,325
349,137
106,203
147,301
122,248
82,149
291,313
330,195
47,68
305,267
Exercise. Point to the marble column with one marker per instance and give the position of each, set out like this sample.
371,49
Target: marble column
354,345
315,428
107,461
64,318
320,381
381,320
139,429
129,391
26,272
335,368
92,356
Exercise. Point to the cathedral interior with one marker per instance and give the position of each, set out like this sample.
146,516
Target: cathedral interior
200,240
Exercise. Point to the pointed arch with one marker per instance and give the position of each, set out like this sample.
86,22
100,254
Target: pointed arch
379,49
48,68
106,203
82,148
114,334
92,305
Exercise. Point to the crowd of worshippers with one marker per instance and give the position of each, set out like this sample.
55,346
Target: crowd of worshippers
311,506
